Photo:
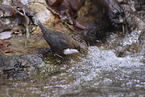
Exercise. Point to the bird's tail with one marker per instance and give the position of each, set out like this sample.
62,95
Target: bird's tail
43,28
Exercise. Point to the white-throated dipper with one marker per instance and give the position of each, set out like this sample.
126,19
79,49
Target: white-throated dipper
60,43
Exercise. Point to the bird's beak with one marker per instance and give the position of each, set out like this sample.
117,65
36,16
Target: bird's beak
81,51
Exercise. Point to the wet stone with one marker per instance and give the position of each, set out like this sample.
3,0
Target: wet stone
16,66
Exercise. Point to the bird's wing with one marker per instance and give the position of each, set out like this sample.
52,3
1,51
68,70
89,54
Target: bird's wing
57,42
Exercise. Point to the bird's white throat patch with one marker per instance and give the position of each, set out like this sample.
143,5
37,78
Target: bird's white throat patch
70,51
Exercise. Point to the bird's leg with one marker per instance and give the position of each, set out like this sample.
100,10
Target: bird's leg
55,54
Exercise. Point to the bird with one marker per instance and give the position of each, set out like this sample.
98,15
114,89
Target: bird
60,43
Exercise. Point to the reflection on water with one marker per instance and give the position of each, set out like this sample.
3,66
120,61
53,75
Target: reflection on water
100,73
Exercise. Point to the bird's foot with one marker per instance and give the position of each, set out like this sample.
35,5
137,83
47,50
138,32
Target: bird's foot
58,56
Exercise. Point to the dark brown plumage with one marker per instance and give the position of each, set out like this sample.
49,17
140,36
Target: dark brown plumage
59,42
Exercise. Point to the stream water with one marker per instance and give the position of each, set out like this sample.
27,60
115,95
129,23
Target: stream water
100,73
